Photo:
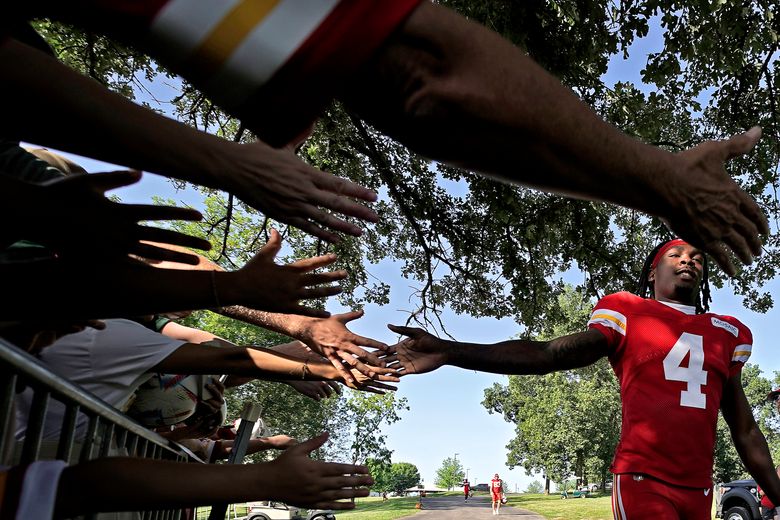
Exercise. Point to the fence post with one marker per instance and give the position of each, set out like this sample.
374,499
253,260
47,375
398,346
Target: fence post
249,415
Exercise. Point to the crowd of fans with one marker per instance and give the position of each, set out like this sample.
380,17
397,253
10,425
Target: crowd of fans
440,84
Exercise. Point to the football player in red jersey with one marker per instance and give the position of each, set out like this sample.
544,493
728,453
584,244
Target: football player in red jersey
496,491
677,365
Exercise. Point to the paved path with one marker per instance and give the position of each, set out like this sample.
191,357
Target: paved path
477,508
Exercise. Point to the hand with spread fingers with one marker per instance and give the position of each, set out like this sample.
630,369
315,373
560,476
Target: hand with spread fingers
288,190
303,482
271,287
71,215
316,390
708,209
419,353
374,384
332,339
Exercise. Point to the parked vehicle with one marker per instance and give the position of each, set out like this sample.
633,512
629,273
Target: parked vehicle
278,511
738,500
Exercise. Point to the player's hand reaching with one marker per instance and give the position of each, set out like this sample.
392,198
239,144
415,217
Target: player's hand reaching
303,482
268,286
419,353
288,190
708,209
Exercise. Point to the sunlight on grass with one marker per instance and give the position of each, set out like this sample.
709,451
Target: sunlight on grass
372,508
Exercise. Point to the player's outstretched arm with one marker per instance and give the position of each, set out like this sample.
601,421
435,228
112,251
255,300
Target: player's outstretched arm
422,352
128,484
105,126
748,439
459,93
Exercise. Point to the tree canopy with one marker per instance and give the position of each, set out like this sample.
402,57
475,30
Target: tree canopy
489,249
450,473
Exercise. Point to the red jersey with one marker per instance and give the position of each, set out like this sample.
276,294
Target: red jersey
672,365
765,501
496,486
274,65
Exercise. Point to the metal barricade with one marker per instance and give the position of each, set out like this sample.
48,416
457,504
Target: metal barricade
108,430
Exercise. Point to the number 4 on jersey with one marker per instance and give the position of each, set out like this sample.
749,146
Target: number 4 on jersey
692,374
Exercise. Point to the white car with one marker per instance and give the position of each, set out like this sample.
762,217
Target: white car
278,511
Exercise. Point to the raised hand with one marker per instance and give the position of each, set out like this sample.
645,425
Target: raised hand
288,190
419,353
271,287
708,209
314,484
279,442
72,216
374,385
316,390
332,339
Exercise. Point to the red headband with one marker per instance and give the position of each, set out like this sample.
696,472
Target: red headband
664,248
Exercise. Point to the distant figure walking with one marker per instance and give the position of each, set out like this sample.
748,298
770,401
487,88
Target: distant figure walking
496,492
466,490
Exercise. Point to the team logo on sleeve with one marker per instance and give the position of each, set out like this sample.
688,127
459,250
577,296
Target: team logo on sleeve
725,326
608,318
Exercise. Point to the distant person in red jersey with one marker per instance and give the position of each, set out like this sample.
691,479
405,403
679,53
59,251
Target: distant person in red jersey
496,492
466,490
677,365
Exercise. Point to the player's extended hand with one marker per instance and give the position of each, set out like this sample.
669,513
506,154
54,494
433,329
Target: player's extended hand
268,286
72,215
303,482
288,190
419,353
708,209
332,339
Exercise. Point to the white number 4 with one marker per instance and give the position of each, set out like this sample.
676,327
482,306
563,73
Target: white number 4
692,374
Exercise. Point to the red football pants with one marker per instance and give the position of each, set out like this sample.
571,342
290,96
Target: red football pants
639,497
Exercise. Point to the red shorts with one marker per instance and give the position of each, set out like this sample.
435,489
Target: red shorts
639,497
496,497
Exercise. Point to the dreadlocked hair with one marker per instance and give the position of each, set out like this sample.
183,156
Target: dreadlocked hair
645,289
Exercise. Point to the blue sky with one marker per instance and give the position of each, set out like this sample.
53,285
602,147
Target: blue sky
446,417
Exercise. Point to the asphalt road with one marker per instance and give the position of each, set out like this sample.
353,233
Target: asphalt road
476,508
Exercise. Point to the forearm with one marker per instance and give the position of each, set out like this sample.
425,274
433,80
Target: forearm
101,124
755,454
108,291
529,357
129,484
243,361
290,325
467,96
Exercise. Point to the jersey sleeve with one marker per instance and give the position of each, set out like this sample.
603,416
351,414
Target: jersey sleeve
742,350
609,318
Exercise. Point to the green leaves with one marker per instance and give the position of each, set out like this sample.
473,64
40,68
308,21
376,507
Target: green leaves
450,474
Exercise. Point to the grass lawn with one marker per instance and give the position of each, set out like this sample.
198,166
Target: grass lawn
372,508
553,508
